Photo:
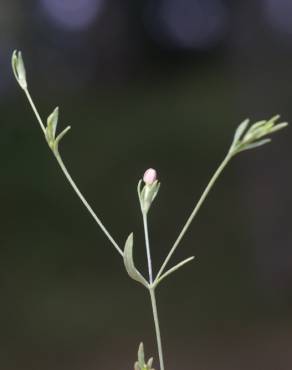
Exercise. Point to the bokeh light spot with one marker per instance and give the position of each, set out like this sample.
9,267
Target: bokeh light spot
72,14
279,15
191,24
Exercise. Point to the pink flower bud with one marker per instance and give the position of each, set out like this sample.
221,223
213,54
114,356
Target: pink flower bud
150,176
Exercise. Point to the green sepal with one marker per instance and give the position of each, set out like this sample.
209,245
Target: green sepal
19,69
147,194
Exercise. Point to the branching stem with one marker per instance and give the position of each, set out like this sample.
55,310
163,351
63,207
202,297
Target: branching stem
71,181
194,212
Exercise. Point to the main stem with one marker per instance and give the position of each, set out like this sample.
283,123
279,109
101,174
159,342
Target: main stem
71,181
194,212
157,327
152,292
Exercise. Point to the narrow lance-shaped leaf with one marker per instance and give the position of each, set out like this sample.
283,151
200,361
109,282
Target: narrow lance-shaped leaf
256,125
257,144
239,131
260,129
279,127
149,363
62,134
141,364
129,262
51,129
141,356
174,268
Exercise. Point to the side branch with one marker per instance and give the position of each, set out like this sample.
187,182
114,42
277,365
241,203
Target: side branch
194,213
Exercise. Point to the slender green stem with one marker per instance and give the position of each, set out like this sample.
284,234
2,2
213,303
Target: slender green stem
194,212
70,180
35,111
86,204
151,289
149,261
157,328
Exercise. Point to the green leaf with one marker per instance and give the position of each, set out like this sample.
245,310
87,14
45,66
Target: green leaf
239,131
256,144
141,363
129,262
257,125
62,134
51,129
251,139
150,362
141,356
279,127
173,269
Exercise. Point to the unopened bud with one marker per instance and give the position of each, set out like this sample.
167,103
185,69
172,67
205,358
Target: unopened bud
150,176
19,69
149,191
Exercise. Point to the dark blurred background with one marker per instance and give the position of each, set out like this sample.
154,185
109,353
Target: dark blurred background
160,83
